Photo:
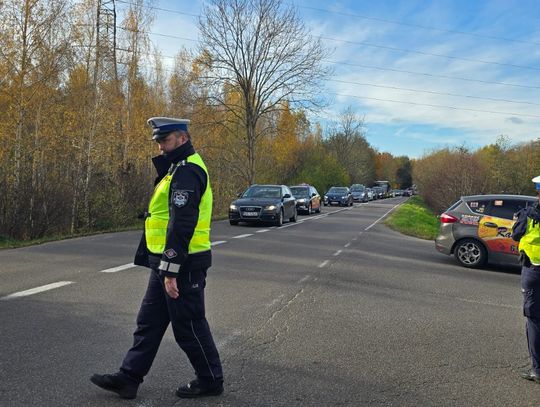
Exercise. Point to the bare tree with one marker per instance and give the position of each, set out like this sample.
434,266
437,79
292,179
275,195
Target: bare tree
348,143
261,50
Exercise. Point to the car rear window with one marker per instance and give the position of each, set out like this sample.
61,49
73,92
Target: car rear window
506,208
479,206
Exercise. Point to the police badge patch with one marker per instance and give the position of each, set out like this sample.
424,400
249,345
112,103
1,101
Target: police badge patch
170,253
180,198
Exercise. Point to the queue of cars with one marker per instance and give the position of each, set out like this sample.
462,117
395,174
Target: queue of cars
277,204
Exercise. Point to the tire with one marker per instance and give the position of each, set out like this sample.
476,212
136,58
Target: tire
295,215
279,221
470,253
233,222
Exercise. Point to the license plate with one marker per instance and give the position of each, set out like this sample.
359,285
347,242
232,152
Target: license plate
250,213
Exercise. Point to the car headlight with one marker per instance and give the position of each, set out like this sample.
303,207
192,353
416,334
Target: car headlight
271,207
344,197
233,207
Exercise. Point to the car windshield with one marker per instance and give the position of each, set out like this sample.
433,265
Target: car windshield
261,191
357,189
337,190
300,191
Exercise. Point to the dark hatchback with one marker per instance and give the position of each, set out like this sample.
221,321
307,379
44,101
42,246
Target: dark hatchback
338,195
308,199
264,203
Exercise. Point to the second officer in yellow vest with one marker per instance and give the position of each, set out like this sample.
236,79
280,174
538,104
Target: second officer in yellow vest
526,231
176,247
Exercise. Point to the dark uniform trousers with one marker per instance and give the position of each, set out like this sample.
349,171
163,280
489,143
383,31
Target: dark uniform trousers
530,286
190,327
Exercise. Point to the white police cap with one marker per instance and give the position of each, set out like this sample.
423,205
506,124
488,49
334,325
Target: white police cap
164,125
536,181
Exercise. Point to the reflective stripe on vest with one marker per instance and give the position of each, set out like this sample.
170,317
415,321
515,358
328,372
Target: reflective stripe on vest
156,225
530,242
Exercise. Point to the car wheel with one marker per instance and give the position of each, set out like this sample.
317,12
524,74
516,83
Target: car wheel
279,221
295,215
470,253
233,222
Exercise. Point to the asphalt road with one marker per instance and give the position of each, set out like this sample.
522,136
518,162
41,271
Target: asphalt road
335,310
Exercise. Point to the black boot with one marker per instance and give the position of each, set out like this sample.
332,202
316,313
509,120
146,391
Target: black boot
117,383
196,389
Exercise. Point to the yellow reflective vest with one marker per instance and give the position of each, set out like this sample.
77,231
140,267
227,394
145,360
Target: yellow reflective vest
530,242
156,224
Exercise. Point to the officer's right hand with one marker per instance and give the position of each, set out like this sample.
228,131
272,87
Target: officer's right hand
171,287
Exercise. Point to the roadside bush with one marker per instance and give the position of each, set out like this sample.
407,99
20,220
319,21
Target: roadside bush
445,175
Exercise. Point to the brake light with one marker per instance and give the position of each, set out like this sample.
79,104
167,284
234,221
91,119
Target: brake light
446,218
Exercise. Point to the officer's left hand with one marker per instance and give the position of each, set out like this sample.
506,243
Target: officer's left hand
171,287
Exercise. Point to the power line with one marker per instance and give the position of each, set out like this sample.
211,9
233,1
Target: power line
158,8
365,66
379,46
438,106
432,75
367,44
434,92
425,27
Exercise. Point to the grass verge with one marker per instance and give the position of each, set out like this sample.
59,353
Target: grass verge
414,218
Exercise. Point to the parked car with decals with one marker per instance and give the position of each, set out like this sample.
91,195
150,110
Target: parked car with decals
264,203
477,229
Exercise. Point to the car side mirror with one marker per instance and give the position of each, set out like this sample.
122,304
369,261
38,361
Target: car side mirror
313,194
286,196
239,194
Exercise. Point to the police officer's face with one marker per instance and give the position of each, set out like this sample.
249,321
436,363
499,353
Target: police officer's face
171,142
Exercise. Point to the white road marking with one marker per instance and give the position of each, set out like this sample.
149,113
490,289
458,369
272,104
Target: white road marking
289,225
382,217
119,268
324,263
347,245
242,236
302,280
36,290
337,253
217,242
262,230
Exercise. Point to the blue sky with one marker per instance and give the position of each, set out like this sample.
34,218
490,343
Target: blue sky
423,74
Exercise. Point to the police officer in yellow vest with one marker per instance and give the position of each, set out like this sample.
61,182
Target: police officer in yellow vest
176,247
526,231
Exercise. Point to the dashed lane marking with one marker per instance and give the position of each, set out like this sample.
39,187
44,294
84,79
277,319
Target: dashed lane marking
262,231
218,242
36,290
337,253
119,268
323,264
347,245
304,279
242,236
